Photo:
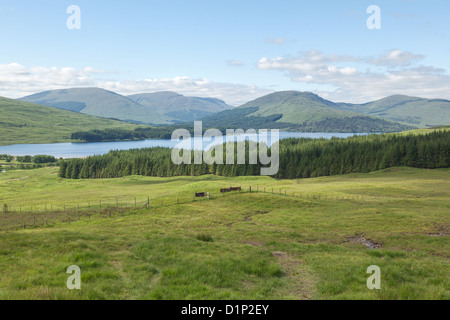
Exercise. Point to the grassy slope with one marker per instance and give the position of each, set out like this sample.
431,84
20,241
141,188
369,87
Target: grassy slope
99,102
178,106
302,111
409,110
266,246
23,122
296,107
423,131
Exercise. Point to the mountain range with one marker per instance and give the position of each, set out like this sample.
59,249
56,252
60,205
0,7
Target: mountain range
404,109
288,110
179,107
307,112
149,108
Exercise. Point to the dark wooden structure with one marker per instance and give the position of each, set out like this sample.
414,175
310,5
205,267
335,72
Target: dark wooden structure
230,189
202,195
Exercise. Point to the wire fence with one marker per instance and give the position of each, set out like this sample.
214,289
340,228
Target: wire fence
47,215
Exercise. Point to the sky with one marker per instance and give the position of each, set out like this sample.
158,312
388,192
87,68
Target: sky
232,50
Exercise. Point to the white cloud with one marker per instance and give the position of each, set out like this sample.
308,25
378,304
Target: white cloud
397,58
17,81
353,79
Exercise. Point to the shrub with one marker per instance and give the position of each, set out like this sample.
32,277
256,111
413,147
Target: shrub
204,237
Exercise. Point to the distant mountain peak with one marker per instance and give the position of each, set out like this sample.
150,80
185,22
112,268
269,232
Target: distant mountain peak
178,106
98,102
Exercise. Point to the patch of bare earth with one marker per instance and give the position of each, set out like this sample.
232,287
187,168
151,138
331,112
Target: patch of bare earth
301,283
440,234
366,242
441,231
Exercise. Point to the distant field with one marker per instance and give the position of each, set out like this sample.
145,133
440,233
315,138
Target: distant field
292,245
425,130
28,123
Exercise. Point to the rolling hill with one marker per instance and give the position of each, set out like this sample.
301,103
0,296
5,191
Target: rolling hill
404,109
300,111
98,102
24,122
179,107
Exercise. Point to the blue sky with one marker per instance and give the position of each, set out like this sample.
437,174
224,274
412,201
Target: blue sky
233,50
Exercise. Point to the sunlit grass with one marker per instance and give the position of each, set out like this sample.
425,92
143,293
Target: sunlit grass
291,245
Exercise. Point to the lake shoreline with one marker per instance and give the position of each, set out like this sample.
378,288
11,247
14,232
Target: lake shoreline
67,150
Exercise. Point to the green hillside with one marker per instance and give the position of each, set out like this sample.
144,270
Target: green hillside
23,122
179,107
296,107
300,111
408,110
98,102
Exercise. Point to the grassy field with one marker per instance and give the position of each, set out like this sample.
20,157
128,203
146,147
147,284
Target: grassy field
313,240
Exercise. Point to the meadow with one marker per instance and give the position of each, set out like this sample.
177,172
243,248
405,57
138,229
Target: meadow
309,239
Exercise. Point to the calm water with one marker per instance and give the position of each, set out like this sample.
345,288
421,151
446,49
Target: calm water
78,150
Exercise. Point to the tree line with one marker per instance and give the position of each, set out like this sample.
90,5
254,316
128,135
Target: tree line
299,158
123,134
39,159
6,157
